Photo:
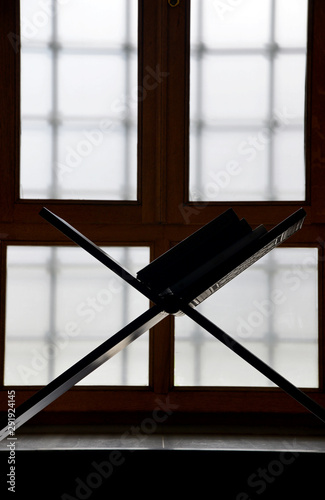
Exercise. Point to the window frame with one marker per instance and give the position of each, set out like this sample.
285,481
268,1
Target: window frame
157,219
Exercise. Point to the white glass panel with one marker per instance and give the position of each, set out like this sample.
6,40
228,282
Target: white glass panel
289,86
36,90
227,163
289,165
234,88
90,84
132,9
294,33
271,309
80,74
28,279
199,362
228,23
247,78
30,366
61,304
36,149
89,163
127,107
92,21
36,21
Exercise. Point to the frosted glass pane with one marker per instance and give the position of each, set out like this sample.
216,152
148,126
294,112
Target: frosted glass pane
293,33
36,86
79,77
231,370
62,303
132,8
289,86
92,21
247,80
91,161
128,367
26,282
271,309
227,24
226,164
36,149
28,368
289,165
127,107
234,88
36,21
90,85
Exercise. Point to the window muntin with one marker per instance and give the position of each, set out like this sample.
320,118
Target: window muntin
79,100
247,82
272,309
61,304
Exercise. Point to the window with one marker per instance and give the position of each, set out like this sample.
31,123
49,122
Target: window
79,95
248,67
77,305
171,130
275,317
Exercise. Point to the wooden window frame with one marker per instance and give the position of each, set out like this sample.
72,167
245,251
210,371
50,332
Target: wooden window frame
157,218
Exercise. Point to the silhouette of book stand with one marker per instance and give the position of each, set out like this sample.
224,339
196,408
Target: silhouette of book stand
176,283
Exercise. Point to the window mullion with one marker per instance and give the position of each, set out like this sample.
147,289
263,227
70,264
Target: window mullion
177,109
9,107
153,78
55,90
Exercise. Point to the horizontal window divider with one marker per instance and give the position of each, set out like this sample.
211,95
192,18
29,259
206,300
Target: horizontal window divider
270,338
229,127
79,121
267,50
106,234
177,401
78,49
197,213
76,211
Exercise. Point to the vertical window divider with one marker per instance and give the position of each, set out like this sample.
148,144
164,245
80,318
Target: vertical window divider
151,136
309,101
271,54
54,47
177,124
52,333
9,99
127,123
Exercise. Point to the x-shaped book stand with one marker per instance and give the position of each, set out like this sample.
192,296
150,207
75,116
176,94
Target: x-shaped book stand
176,283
